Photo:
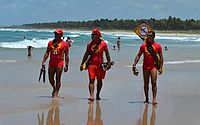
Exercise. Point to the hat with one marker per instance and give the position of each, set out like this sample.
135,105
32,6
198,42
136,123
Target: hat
59,31
96,32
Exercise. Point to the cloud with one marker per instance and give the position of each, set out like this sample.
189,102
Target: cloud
26,11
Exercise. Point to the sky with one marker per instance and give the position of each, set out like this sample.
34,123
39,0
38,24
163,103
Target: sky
17,12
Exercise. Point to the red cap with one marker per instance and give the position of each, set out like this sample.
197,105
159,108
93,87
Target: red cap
96,32
59,31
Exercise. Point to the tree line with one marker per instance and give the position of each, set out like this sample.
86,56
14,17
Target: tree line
167,24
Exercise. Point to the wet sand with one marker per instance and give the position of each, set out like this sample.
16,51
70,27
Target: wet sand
26,101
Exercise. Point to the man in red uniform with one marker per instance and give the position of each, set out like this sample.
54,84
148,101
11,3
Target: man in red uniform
150,66
95,50
58,51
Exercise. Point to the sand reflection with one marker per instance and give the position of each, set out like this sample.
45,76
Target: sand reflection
53,116
144,119
97,120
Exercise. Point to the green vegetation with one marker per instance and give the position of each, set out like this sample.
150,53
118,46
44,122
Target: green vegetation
170,24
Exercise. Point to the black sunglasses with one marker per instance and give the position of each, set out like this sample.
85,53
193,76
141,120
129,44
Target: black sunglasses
93,34
149,35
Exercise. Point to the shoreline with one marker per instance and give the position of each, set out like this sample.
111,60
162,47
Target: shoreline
158,32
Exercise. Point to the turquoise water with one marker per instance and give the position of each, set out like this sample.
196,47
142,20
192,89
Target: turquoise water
14,42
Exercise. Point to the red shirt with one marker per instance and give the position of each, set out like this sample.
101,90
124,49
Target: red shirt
57,53
148,61
96,52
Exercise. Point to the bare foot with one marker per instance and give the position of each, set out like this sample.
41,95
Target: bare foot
55,95
146,101
154,103
98,98
91,99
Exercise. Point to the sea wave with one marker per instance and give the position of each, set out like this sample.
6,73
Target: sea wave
181,62
39,38
179,38
73,35
8,61
174,37
26,30
173,62
122,35
36,43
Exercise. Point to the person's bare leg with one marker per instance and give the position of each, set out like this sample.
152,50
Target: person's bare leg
58,80
99,86
146,74
57,116
154,86
98,120
50,116
145,115
90,120
91,90
51,72
153,116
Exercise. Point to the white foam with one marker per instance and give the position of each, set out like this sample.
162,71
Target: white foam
8,61
26,30
36,43
182,62
173,62
73,35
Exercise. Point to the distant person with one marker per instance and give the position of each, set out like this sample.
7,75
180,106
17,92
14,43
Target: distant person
95,51
114,48
29,50
153,61
118,43
59,58
166,48
69,41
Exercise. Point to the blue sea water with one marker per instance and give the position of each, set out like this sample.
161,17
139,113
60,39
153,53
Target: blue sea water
14,42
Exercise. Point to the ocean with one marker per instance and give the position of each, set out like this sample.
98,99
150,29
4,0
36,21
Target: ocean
23,96
14,42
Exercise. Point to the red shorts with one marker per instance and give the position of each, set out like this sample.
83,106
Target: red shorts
95,71
56,63
149,67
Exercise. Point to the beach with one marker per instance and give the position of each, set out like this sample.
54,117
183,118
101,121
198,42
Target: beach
121,102
26,101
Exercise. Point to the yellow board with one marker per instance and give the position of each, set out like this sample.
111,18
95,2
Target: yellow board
142,30
85,64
